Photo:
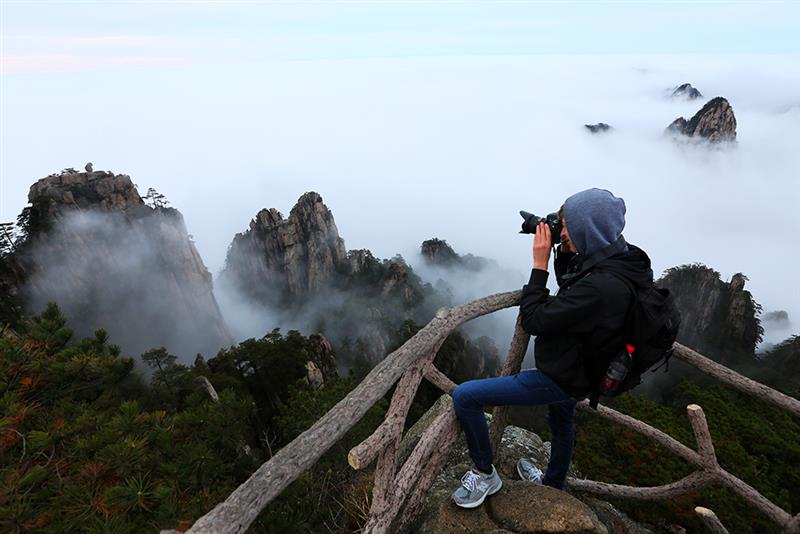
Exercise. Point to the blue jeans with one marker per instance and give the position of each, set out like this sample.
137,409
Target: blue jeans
527,388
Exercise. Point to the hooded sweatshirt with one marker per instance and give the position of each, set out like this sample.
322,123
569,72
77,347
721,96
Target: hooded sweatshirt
580,329
595,219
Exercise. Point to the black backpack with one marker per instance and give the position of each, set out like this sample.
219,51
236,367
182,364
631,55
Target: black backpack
651,326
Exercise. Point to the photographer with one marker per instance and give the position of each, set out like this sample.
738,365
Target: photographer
577,333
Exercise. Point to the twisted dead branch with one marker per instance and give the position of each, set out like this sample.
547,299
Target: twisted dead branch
408,486
709,473
734,379
239,510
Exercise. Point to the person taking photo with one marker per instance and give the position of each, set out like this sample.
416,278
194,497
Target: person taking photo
578,331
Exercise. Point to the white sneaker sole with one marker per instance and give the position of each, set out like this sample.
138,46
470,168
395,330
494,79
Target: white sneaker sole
480,502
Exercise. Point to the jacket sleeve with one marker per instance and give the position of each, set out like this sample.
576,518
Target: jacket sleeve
576,310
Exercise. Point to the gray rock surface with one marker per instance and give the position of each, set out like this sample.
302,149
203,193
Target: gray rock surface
322,360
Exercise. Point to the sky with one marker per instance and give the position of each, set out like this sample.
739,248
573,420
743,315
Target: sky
421,119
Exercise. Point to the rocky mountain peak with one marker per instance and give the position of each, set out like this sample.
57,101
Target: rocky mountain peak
298,268
267,218
686,91
287,258
714,122
102,190
437,252
600,127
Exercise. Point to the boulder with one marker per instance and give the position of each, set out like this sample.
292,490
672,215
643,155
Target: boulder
322,362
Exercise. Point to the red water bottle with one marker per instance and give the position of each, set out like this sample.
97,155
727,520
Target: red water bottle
617,370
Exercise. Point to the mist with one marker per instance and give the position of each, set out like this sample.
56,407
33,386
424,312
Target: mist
405,149
132,276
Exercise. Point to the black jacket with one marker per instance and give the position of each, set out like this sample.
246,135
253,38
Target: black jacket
580,329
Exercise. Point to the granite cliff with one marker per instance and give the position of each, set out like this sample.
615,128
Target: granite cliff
281,260
720,319
110,261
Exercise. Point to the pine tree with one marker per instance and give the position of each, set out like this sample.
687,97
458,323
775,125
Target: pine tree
154,199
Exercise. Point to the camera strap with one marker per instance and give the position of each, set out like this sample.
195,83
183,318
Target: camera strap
617,247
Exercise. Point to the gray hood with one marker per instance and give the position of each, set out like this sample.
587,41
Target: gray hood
595,219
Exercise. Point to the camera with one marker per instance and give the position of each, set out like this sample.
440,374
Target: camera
531,221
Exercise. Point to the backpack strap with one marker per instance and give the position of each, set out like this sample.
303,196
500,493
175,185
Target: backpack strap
617,247
594,396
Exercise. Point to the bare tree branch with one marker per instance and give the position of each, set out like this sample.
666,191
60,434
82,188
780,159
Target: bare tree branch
693,482
643,428
392,427
513,363
704,444
710,520
732,378
243,505
439,379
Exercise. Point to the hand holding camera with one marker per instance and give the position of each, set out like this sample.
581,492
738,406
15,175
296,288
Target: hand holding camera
542,244
543,229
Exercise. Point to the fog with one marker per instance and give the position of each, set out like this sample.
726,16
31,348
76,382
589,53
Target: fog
407,149
129,276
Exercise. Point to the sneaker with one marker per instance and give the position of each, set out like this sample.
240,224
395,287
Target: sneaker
475,487
528,471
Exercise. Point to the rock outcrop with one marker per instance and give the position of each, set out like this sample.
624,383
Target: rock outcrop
687,92
714,122
110,261
600,127
437,252
321,365
720,319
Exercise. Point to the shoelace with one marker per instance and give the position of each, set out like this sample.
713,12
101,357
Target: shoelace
535,473
470,480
